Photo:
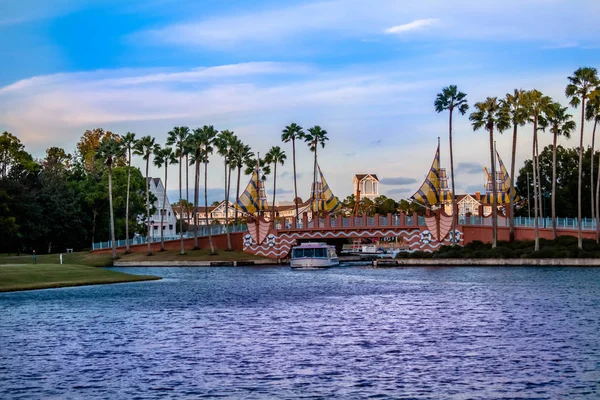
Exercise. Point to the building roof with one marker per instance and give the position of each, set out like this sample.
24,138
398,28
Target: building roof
360,177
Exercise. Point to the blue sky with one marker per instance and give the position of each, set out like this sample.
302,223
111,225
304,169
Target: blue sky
367,72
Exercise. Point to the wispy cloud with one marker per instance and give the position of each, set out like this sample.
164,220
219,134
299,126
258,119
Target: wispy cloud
411,26
469,168
398,181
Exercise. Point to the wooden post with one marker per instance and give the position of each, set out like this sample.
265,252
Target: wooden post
304,220
415,219
294,219
402,219
328,221
376,219
364,220
389,219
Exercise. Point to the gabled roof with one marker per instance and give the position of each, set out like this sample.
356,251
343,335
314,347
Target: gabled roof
360,177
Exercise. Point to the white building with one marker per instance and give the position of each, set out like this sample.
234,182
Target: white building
368,184
169,221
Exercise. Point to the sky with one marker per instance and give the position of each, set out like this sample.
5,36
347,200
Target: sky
367,72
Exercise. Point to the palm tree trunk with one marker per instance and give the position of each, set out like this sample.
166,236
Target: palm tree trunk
598,199
539,176
180,204
148,204
187,189
227,211
554,185
454,216
494,192
295,185
315,181
592,173
535,202
196,184
163,211
274,189
237,194
127,204
112,215
579,234
212,249
511,220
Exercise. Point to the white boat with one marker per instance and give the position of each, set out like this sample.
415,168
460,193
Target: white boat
313,255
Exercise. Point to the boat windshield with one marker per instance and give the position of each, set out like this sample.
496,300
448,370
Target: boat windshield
309,253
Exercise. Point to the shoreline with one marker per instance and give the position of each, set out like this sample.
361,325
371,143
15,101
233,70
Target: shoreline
488,262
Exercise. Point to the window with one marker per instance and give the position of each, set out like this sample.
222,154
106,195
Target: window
170,227
164,228
155,227
163,212
169,213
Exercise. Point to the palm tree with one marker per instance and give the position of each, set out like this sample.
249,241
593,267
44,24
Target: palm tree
207,138
166,157
560,123
583,81
536,105
313,138
488,115
275,156
145,147
592,113
177,138
514,110
240,153
292,132
451,99
223,143
128,141
194,147
110,150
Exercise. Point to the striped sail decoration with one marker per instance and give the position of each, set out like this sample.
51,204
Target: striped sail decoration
502,186
434,189
254,198
323,197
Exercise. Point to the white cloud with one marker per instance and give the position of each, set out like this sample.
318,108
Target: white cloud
411,26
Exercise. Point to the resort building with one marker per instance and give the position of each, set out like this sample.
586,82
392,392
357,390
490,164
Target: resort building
169,220
368,184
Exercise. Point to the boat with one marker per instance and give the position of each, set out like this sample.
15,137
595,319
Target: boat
313,255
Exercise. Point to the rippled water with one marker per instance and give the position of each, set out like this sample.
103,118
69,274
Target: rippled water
431,333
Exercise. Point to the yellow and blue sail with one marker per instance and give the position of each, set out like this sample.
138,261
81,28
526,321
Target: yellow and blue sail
431,192
254,198
503,189
322,196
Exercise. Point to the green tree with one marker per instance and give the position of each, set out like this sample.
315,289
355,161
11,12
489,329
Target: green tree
207,138
514,109
240,153
177,137
560,123
110,149
146,146
128,142
488,115
223,143
315,136
583,81
164,157
12,152
195,147
449,100
592,113
275,156
291,133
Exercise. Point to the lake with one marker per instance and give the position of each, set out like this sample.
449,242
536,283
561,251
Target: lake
344,333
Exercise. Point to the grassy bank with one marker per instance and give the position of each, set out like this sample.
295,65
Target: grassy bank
45,276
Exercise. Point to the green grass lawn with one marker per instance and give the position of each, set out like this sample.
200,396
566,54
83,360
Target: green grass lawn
15,277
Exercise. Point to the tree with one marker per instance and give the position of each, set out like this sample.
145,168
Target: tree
166,157
11,152
223,143
487,115
291,133
194,148
450,99
275,156
560,123
109,150
177,137
315,136
592,113
207,138
145,147
240,153
514,109
57,160
89,144
583,81
128,142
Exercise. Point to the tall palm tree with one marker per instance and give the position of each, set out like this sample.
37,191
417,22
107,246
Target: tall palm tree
241,153
560,123
514,110
166,157
109,152
207,137
592,113
583,81
177,138
145,147
450,99
536,105
194,147
223,143
128,141
291,133
315,136
275,156
488,115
